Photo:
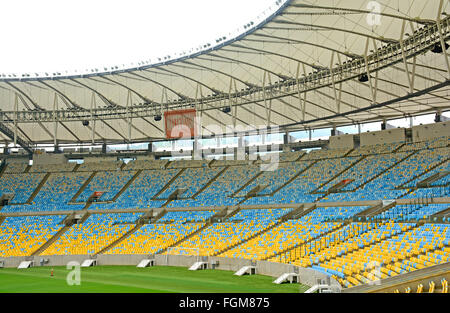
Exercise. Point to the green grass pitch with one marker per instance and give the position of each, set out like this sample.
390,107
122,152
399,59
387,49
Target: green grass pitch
129,279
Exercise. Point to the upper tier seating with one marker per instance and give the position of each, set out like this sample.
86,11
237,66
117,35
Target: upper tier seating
52,168
109,182
21,185
145,165
290,156
376,149
439,142
15,168
100,166
322,154
55,194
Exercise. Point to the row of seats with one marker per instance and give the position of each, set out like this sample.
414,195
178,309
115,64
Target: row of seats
443,168
109,182
141,191
432,288
192,179
100,166
152,238
411,212
220,236
97,232
310,186
354,254
187,216
362,172
438,142
321,154
52,168
54,194
376,149
21,185
386,186
21,236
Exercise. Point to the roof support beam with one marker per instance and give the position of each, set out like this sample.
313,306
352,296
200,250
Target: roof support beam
372,89
301,99
93,106
55,120
410,80
441,36
337,97
268,106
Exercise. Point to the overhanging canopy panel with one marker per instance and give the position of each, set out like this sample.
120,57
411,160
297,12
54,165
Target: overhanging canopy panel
304,68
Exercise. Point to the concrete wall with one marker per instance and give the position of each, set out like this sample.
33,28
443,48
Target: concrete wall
308,276
342,142
99,159
21,160
426,132
150,157
49,158
383,137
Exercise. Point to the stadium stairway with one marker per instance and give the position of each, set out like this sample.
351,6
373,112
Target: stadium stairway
247,183
317,190
68,223
75,169
386,170
368,245
442,213
232,213
294,213
38,188
209,183
377,209
207,224
2,219
3,167
166,186
299,245
369,210
86,183
434,178
423,173
218,214
280,221
293,178
300,212
159,216
139,223
399,147
119,240
125,187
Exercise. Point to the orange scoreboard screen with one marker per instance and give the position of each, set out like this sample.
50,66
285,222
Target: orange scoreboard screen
180,123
